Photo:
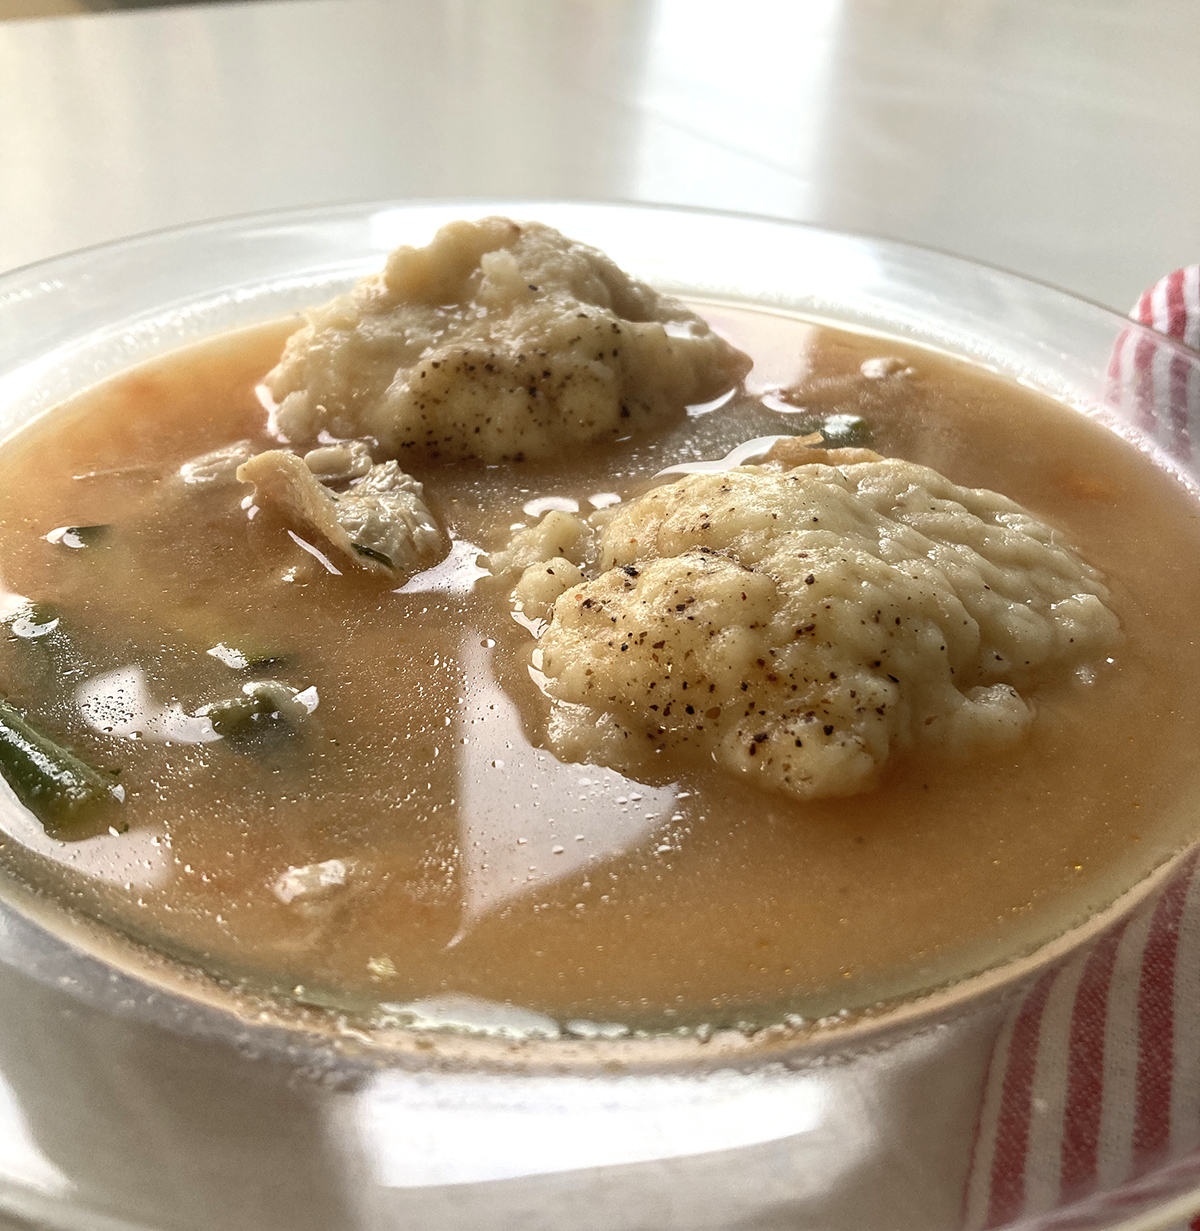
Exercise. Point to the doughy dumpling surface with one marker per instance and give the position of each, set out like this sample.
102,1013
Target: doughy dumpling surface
803,626
501,340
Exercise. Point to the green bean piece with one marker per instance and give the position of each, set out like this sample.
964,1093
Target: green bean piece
265,707
52,782
238,717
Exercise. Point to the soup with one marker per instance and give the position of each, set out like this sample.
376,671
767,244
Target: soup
415,840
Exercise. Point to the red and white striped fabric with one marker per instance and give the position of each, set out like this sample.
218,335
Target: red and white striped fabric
1172,306
1157,385
1096,1074
1093,1095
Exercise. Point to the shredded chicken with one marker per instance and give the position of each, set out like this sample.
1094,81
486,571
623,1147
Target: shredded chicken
219,466
380,522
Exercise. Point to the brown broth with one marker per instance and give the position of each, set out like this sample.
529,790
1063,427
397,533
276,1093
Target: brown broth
480,864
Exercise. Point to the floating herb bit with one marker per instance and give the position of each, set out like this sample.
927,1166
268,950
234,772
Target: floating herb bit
845,431
36,647
52,782
247,658
31,645
33,620
78,537
371,553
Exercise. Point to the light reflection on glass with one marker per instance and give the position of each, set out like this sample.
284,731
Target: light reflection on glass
472,1014
527,820
749,451
119,703
423,1130
703,97
11,603
21,1162
456,574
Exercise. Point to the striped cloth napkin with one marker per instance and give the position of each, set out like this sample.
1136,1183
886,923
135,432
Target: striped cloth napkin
1092,1100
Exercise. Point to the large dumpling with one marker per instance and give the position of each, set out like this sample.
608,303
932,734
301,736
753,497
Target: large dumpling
803,626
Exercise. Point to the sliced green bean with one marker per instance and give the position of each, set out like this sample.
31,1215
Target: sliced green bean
235,718
51,781
265,706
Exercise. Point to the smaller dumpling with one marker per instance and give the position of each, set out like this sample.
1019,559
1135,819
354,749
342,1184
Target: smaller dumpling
500,340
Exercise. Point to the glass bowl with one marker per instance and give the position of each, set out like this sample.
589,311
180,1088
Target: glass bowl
135,1094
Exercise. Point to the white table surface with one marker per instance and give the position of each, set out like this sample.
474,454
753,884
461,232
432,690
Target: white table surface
1055,137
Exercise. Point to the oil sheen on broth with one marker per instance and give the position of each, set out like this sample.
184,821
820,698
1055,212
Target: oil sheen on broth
473,861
